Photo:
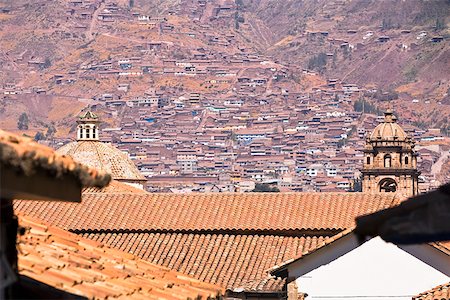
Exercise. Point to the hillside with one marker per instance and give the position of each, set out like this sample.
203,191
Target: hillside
343,40
384,46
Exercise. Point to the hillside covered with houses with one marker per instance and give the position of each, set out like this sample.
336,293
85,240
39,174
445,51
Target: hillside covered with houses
213,96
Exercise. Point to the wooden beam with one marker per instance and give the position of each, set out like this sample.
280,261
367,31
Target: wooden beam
39,186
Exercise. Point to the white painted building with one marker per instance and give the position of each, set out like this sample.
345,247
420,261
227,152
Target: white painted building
345,269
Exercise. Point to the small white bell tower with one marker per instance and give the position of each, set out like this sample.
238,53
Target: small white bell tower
87,129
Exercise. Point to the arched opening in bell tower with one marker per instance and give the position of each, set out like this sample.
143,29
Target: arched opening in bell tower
388,185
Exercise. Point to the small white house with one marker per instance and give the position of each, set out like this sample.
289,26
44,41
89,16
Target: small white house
343,268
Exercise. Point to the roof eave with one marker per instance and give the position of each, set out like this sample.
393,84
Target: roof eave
38,186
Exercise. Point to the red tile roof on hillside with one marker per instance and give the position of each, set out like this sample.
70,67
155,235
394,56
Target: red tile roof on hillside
227,260
203,212
441,292
84,267
27,157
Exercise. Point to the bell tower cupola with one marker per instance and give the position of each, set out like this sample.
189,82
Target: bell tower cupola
390,161
87,129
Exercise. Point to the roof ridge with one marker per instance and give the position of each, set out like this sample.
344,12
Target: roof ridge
274,212
306,232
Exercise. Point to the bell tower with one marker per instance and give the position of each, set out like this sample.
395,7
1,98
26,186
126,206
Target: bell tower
87,129
390,161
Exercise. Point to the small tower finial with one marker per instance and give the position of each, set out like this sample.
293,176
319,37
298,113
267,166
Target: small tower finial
87,129
389,116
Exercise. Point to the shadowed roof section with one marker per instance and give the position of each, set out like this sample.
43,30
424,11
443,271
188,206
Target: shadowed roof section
421,219
23,161
266,285
87,268
269,212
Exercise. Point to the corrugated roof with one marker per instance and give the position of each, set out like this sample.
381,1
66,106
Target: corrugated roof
84,267
203,212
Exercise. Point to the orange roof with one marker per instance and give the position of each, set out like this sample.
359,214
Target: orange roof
227,260
115,187
266,284
246,234
276,269
84,267
27,157
441,292
198,212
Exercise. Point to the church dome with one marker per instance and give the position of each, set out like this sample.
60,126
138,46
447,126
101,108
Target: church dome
90,151
388,130
103,156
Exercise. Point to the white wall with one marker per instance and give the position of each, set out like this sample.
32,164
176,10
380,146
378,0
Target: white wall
374,270
134,184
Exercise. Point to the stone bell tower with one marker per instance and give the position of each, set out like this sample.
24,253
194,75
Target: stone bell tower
87,129
390,161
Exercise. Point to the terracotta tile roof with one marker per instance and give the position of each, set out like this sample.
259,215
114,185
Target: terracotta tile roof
203,212
88,268
277,268
114,187
27,156
441,292
103,156
226,239
266,284
228,260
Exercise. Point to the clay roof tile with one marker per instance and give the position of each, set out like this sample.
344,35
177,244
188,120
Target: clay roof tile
117,274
